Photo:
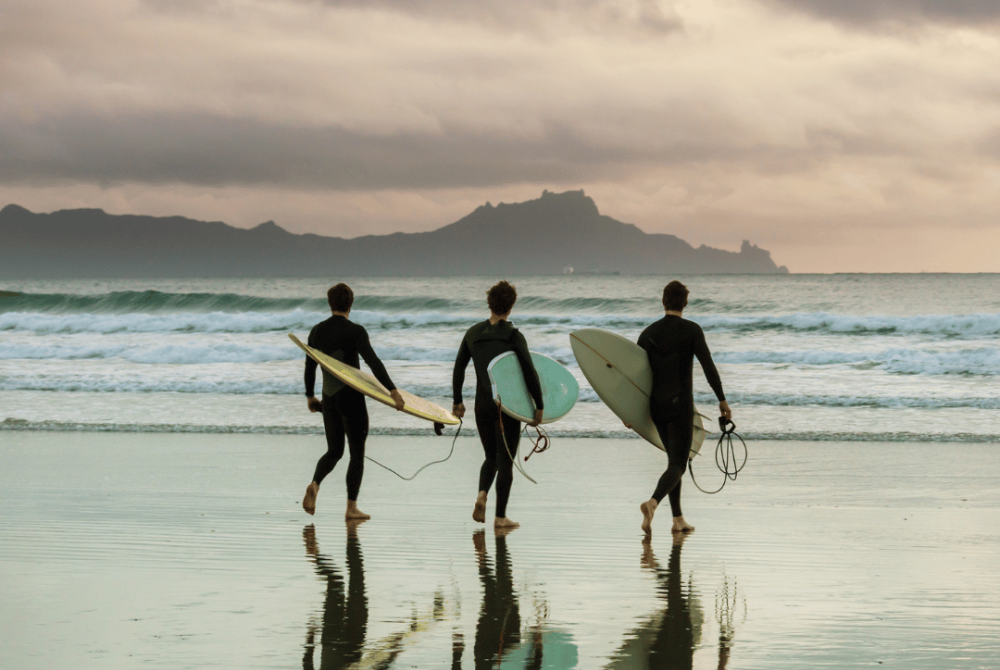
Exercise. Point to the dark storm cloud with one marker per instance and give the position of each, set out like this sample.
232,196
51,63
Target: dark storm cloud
887,13
207,150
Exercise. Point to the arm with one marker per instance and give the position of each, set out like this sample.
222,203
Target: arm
711,374
458,378
528,370
373,361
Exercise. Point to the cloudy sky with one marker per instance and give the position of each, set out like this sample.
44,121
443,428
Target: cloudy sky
842,135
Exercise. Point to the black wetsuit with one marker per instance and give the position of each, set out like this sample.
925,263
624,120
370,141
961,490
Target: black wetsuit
672,343
344,409
482,343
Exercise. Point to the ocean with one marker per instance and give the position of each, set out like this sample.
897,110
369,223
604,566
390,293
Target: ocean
802,357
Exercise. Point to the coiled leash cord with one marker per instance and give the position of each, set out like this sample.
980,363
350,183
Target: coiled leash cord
725,455
437,429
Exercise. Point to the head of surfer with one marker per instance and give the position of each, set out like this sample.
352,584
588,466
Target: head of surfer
501,299
340,297
675,297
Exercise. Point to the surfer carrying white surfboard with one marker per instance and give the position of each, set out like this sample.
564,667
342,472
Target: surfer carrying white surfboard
498,432
672,344
344,410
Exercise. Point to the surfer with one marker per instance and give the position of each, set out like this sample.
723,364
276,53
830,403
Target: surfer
482,343
672,343
344,410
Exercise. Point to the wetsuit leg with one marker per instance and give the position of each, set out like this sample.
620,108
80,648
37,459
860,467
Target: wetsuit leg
678,443
334,426
505,463
344,414
354,414
486,418
497,463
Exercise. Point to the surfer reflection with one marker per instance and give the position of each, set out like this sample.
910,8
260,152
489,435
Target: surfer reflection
498,432
345,611
499,626
344,409
668,639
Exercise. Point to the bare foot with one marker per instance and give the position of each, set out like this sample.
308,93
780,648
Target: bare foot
504,522
309,502
681,526
479,511
353,513
648,509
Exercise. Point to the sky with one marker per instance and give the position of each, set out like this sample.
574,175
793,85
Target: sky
841,135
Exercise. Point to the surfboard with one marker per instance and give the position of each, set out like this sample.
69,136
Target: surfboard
559,389
619,371
366,383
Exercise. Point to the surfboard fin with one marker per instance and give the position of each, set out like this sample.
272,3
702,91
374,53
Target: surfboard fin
438,428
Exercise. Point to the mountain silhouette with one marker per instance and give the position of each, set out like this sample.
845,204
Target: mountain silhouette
545,236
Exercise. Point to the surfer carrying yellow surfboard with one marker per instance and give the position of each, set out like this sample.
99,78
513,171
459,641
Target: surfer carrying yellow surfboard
672,343
498,432
344,410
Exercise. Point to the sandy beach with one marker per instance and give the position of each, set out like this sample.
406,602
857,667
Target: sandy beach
182,551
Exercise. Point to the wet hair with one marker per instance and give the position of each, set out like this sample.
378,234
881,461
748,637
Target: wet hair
501,297
340,297
675,296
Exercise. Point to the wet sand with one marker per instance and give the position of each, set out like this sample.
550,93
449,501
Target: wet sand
190,551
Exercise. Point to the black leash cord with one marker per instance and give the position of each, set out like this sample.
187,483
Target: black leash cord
410,478
725,455
541,440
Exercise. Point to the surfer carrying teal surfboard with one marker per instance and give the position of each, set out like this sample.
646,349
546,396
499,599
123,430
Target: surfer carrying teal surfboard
344,410
672,343
498,432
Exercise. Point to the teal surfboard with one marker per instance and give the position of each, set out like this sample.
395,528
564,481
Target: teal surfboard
559,388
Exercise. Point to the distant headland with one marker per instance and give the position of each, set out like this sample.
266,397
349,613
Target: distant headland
557,233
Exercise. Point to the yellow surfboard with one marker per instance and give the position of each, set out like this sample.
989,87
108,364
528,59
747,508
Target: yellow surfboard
360,380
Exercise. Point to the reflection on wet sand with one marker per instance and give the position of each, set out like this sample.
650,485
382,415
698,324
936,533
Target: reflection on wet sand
345,618
499,626
669,638
499,639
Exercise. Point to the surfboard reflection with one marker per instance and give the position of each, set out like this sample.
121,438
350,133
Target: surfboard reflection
669,638
500,641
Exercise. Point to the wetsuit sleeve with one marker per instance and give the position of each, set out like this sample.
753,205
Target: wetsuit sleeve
458,375
310,376
368,354
528,369
705,358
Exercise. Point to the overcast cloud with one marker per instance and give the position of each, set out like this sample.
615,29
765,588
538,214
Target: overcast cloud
789,122
889,13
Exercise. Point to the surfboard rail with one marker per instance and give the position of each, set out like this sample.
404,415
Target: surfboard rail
618,370
361,381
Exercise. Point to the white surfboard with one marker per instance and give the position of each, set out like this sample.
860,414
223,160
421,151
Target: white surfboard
619,371
360,380
559,388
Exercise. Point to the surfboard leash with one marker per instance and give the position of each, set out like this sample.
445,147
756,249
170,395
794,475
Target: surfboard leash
725,455
513,457
541,440
424,467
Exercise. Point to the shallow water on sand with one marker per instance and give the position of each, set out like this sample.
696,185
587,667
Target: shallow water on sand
120,550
